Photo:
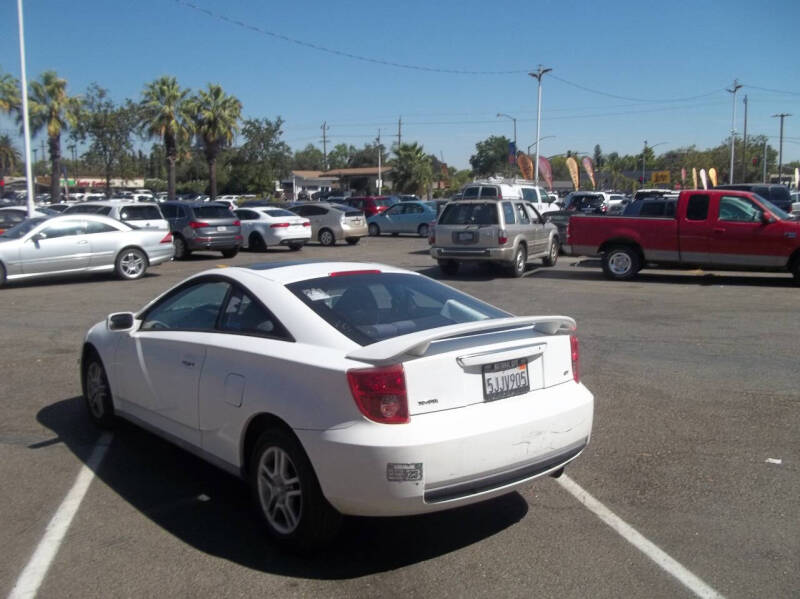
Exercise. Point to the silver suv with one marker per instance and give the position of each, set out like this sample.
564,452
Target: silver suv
507,232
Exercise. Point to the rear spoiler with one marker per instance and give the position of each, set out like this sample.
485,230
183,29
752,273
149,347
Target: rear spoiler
416,344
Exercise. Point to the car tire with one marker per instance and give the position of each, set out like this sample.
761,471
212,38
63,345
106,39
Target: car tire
182,251
326,237
256,242
353,240
230,253
287,494
97,391
374,230
295,246
131,264
449,267
795,271
2,274
552,253
517,268
422,230
621,263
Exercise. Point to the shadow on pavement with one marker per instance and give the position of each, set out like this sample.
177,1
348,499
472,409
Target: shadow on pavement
585,271
210,510
73,279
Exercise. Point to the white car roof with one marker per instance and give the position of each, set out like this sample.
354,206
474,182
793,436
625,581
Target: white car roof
290,272
117,224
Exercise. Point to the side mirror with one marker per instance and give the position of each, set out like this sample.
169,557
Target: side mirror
120,321
36,238
766,218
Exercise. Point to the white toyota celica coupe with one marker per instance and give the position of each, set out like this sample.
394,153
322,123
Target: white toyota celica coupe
344,388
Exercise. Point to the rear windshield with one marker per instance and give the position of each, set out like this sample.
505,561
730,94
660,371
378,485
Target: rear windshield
372,307
279,212
348,211
212,212
471,192
472,213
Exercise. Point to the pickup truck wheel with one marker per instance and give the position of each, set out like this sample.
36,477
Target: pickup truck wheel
552,254
621,263
520,259
796,271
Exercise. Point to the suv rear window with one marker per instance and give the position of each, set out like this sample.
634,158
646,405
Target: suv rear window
471,193
469,213
140,213
488,192
212,212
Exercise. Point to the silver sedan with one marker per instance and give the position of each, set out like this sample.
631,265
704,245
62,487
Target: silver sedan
40,247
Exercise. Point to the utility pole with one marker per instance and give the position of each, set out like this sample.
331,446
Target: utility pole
324,145
538,76
765,162
644,157
744,144
380,182
734,88
781,116
399,131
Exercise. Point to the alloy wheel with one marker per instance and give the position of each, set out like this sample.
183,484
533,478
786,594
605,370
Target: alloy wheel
279,490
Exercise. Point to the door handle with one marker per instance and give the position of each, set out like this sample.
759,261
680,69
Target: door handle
83,242
719,230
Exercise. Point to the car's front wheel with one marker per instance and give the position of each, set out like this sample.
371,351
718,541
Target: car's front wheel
97,391
552,253
131,264
287,493
422,230
374,230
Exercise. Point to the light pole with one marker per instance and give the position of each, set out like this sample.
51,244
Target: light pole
538,76
780,116
508,116
25,123
379,182
540,139
736,86
644,155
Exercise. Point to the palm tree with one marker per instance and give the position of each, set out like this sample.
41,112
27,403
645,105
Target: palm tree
411,172
164,114
216,117
9,156
9,93
54,111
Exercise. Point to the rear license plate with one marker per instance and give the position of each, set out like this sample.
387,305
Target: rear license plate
222,228
465,236
505,379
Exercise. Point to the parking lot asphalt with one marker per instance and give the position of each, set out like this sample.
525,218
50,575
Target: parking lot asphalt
696,383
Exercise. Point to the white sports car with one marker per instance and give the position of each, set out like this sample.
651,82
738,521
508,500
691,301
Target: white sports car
265,226
344,388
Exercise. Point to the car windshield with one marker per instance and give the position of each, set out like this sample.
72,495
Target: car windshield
469,213
774,209
212,212
23,228
371,307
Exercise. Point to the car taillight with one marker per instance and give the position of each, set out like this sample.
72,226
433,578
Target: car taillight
278,225
502,238
237,223
167,238
432,237
380,393
306,224
576,355
196,224
499,194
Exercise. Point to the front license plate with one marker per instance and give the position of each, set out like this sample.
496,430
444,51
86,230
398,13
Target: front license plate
505,379
222,228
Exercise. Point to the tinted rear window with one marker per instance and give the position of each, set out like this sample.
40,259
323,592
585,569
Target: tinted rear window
212,212
472,213
140,213
371,307
488,192
471,192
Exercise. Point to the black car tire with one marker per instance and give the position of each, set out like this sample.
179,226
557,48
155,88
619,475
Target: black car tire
552,253
131,264
295,246
256,242
517,268
2,274
353,240
422,230
449,267
621,263
230,253
288,498
374,230
97,391
182,250
326,237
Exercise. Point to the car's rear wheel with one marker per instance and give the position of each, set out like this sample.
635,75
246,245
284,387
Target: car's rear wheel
422,230
795,271
353,240
97,391
287,493
131,264
295,246
374,230
230,253
449,267
520,259
181,249
256,242
552,253
326,237
2,275
621,263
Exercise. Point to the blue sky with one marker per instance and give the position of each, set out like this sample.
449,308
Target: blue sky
634,50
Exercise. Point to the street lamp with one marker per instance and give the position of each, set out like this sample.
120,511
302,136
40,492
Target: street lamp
540,139
644,154
780,116
736,86
538,76
508,116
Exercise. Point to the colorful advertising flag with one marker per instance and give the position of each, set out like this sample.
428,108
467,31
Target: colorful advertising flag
572,165
525,165
683,175
704,178
694,178
546,171
589,168
712,176
512,152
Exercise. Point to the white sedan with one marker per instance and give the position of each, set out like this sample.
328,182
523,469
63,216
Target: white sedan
344,388
264,226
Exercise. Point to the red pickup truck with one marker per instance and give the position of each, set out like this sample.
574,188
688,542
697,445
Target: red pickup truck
710,229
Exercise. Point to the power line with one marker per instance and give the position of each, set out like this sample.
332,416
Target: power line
602,93
774,91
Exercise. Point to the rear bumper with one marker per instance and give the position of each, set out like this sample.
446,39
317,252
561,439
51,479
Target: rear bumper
452,457
228,242
163,253
354,231
499,254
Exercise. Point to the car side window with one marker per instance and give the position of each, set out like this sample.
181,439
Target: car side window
246,316
396,209
414,209
315,211
247,214
95,227
528,194
64,228
533,213
169,211
508,213
738,209
522,215
697,208
488,192
471,192
193,308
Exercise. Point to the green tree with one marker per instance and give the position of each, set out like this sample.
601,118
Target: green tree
9,156
491,157
262,159
411,172
54,111
108,128
163,114
598,159
309,158
216,120
368,156
340,156
9,93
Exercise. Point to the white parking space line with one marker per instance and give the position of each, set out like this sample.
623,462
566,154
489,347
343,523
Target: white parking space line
32,576
635,538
